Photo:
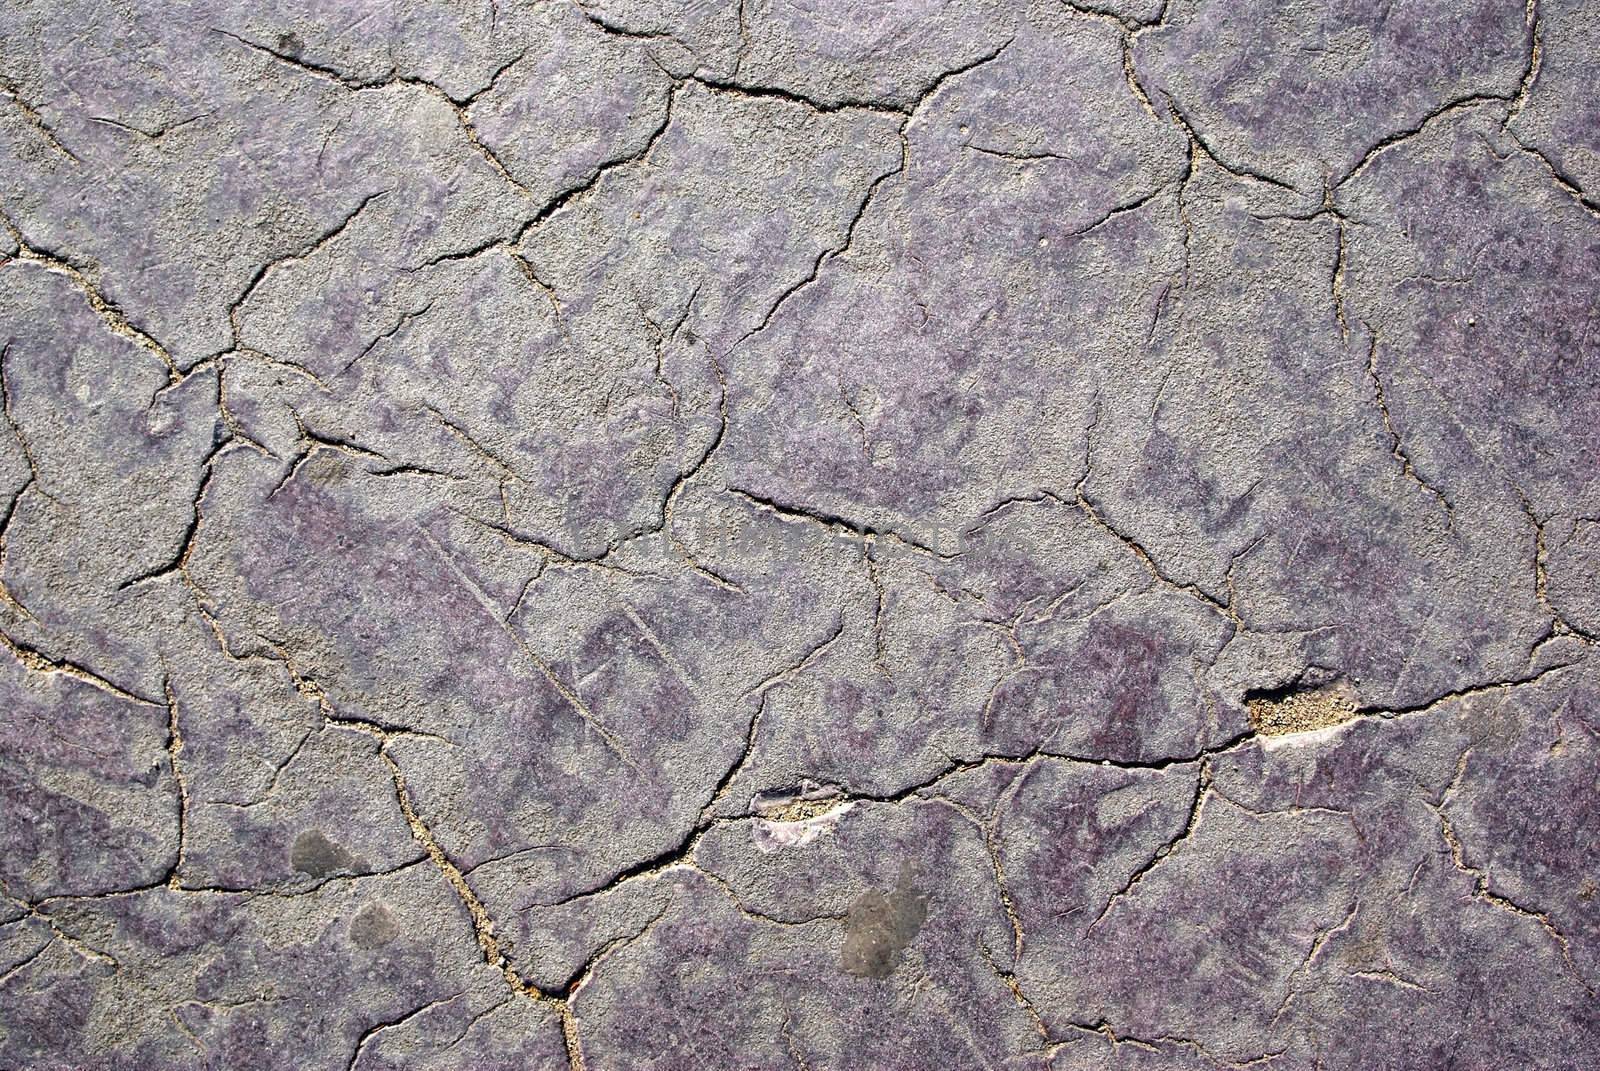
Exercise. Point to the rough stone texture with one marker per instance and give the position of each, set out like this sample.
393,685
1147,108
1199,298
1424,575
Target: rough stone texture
678,534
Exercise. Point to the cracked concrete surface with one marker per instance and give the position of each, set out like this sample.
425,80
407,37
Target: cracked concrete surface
800,534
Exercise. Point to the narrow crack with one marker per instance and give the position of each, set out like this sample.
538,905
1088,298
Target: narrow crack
110,313
283,890
391,1024
525,267
458,106
1199,142
829,253
483,926
1165,851
1482,888
180,780
1008,630
78,946
1318,939
682,852
1396,447
1562,179
1465,692
9,90
8,409
615,29
879,105
311,443
551,557
1116,211
565,197
22,964
36,661
322,71
989,828
1008,979
178,562
328,235
1090,509
278,769
7,596
723,886
1541,577
664,523
1130,75
785,1028
1535,22
1336,291
1400,137
835,524
1388,976
879,602
401,322
832,253
760,692
151,135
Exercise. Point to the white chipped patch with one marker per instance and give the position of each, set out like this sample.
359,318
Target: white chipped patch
795,818
1311,736
771,836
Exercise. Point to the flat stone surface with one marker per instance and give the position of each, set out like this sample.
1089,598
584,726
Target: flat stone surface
761,534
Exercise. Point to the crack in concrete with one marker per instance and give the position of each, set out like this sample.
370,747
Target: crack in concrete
1396,447
837,525
843,249
391,1024
328,236
879,105
1319,938
181,782
1482,888
681,855
1559,625
78,946
151,135
178,562
1204,147
30,114
36,661
110,314
483,925
1164,851
989,826
592,181
1567,184
1400,137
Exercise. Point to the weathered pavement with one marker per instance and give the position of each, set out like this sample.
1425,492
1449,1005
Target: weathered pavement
800,534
